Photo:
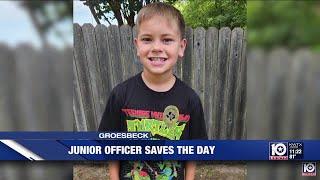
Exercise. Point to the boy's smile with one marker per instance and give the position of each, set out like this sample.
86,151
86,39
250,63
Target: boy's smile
157,61
159,45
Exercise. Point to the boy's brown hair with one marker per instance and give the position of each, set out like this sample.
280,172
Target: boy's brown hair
161,9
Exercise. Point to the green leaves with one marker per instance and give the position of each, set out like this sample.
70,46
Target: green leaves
123,11
292,24
217,13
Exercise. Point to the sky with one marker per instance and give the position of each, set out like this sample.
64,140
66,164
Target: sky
16,27
82,14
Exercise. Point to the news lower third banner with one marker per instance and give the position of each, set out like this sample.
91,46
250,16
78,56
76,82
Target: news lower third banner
94,146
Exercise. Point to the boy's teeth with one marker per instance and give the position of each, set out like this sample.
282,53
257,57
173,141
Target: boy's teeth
157,59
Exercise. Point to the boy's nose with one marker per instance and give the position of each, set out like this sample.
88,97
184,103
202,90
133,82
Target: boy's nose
156,46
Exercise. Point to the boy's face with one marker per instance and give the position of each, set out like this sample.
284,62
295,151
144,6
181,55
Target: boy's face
159,45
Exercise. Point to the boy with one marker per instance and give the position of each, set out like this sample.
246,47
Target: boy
156,100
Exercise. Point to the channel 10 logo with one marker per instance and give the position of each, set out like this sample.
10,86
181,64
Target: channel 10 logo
309,169
278,151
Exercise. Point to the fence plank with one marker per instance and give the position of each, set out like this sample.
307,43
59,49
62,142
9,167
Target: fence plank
137,64
187,59
64,76
55,85
83,78
276,87
276,80
241,93
104,63
296,104
78,109
257,124
212,37
7,79
127,52
115,52
311,121
294,107
26,65
178,68
256,101
94,71
233,65
223,56
198,63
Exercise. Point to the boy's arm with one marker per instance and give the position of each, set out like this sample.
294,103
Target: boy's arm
190,170
114,168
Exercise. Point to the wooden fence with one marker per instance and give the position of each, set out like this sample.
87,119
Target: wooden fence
283,103
35,91
35,95
283,90
214,65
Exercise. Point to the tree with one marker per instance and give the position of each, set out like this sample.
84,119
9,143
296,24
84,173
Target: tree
217,13
45,15
291,24
124,11
204,13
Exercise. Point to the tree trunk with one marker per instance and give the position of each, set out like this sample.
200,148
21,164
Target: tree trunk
93,12
115,6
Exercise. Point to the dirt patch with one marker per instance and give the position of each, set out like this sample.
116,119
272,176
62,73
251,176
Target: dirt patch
223,171
205,171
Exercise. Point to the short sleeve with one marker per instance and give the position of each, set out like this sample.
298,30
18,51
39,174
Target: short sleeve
111,117
197,122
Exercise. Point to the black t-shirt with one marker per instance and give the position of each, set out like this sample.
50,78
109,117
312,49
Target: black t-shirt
176,114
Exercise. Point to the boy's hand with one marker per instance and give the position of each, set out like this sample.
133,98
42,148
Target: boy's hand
190,170
114,167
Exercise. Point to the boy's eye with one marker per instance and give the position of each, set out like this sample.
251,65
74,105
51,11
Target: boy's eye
146,39
167,40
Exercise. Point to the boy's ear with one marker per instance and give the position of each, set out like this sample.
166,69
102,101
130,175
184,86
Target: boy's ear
183,44
136,44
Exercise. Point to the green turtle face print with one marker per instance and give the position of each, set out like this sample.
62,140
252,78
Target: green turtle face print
166,124
171,115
